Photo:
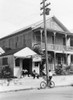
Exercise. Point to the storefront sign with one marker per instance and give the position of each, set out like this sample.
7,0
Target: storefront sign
36,58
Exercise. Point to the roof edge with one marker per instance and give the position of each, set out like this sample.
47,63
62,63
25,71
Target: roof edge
60,24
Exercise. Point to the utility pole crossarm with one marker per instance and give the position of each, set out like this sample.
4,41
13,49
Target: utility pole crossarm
45,6
43,1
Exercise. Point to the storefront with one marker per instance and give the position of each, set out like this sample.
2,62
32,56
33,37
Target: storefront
18,61
36,63
25,61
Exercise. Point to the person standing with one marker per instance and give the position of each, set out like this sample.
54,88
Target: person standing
50,75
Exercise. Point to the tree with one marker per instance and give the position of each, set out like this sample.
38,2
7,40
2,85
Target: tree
38,50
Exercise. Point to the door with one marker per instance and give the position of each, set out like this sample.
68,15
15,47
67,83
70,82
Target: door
27,65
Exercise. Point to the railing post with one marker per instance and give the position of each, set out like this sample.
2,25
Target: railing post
54,40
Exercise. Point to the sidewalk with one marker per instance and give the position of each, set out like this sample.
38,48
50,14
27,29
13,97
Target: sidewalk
30,83
21,84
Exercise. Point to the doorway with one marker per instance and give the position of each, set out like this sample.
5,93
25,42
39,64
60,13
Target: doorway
27,65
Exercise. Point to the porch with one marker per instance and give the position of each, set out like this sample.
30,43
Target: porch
56,47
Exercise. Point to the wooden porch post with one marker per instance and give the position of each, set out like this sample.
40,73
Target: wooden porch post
20,67
41,36
66,47
54,49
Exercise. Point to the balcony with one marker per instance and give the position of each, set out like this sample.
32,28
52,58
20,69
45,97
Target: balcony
58,48
69,49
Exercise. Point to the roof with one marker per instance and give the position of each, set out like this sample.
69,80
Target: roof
11,52
23,52
17,32
52,30
60,24
37,25
40,24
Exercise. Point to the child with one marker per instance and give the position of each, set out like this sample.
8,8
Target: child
50,75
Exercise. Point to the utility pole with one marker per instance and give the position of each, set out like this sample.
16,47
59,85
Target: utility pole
44,13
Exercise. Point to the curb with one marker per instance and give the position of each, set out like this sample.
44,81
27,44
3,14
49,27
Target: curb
16,90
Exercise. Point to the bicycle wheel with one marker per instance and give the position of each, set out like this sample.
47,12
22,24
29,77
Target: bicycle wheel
43,85
51,84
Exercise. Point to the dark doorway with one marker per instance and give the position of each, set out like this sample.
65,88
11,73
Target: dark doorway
27,65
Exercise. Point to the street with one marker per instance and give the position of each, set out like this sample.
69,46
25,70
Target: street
58,93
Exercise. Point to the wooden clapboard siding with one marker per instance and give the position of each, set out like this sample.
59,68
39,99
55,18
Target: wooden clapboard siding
10,62
23,39
0,64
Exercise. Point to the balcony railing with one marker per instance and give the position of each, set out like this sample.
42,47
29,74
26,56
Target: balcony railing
55,47
69,48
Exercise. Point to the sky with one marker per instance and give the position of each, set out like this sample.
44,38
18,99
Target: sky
17,14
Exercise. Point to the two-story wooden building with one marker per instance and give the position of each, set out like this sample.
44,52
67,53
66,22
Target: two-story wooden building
59,41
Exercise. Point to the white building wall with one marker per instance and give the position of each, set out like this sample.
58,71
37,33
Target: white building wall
18,69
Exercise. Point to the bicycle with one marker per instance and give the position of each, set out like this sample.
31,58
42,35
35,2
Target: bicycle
44,84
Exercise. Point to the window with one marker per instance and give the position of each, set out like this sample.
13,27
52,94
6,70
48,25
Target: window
36,64
64,41
38,38
53,39
71,42
17,62
5,61
72,58
59,60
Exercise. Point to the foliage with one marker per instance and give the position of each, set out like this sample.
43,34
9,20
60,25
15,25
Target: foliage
6,72
38,49
62,70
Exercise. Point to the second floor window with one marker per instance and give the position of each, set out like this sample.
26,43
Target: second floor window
53,39
38,38
71,42
72,58
64,41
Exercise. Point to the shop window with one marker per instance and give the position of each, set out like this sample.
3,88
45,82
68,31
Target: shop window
5,61
17,62
36,64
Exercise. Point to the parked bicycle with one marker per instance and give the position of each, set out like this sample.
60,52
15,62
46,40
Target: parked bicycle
44,84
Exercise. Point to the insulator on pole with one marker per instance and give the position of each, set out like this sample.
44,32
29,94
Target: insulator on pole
47,10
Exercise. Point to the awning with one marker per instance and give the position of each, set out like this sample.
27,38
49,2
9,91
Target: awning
25,53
